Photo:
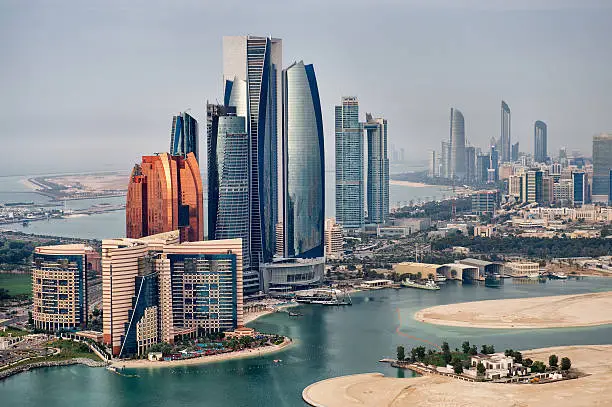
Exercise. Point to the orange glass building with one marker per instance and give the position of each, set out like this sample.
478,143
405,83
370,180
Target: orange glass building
165,194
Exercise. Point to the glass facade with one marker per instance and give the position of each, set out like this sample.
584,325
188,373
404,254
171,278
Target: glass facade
602,164
539,142
184,136
457,143
303,164
505,150
349,165
579,197
378,170
144,304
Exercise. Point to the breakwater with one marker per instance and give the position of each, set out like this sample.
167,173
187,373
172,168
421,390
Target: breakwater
24,368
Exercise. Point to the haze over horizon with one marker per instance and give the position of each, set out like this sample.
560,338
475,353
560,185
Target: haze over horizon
94,86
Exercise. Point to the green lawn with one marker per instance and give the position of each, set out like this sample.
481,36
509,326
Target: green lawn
16,283
13,332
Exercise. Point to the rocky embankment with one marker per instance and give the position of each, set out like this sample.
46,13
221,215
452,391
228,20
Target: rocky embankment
76,361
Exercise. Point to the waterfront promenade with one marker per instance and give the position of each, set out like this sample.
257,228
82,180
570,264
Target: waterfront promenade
564,311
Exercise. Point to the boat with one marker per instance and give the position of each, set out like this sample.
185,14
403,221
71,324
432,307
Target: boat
295,314
557,276
533,276
429,285
440,278
25,223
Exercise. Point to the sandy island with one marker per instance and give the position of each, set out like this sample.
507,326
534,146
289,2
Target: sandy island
243,354
373,389
562,311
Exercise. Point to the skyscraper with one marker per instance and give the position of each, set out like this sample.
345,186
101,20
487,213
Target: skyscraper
378,170
433,164
579,188
540,151
303,164
483,163
515,152
602,163
184,136
457,145
470,163
164,194
349,164
445,152
59,287
252,74
505,141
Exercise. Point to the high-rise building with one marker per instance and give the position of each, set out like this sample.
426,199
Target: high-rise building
457,145
494,163
540,151
349,164
252,68
333,239
59,286
445,153
533,187
515,152
130,305
602,164
483,163
433,165
515,187
164,194
378,170
303,164
580,184
184,136
505,141
484,202
470,163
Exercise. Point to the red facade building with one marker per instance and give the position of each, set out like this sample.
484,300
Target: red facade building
164,194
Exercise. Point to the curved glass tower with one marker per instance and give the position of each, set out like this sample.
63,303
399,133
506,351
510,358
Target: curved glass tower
539,140
303,163
457,142
184,137
505,132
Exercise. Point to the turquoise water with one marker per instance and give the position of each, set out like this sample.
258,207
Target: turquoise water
330,341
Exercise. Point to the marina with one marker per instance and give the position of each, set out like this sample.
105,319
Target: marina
428,285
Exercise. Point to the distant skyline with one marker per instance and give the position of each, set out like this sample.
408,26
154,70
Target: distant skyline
94,86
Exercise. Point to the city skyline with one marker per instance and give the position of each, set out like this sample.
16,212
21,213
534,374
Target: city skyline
109,109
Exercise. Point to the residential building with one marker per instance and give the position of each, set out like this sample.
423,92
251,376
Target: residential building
457,145
349,165
505,140
59,287
540,151
378,170
333,239
184,137
445,164
523,268
602,164
484,202
547,189
470,164
432,168
165,194
514,156
252,68
303,164
515,186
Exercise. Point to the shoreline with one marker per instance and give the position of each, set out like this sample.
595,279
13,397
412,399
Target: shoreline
243,354
414,184
5,374
564,311
374,389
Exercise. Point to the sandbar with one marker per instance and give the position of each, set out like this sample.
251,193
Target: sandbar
563,311
374,389
243,354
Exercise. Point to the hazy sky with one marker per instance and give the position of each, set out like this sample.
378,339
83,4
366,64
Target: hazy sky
93,85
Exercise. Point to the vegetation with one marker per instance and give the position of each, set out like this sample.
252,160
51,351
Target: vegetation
481,369
15,286
14,332
15,251
553,361
70,349
401,355
487,349
538,367
566,363
443,357
518,356
436,210
457,365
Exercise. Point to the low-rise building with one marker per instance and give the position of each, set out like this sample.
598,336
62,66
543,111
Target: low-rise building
523,268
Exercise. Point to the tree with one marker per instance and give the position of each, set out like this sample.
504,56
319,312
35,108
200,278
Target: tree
420,352
465,347
457,366
538,367
508,352
480,369
446,353
566,363
518,357
473,350
401,355
553,361
527,362
488,349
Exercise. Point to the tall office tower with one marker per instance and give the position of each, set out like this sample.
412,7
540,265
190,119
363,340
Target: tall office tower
164,194
485,201
505,141
184,136
445,153
602,164
349,164
547,189
563,157
515,152
470,164
59,286
130,305
494,163
378,170
457,145
515,187
540,151
200,287
532,186
483,163
228,178
252,69
333,239
303,164
432,169
580,183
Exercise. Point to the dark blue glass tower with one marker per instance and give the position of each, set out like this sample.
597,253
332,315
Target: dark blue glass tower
184,136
